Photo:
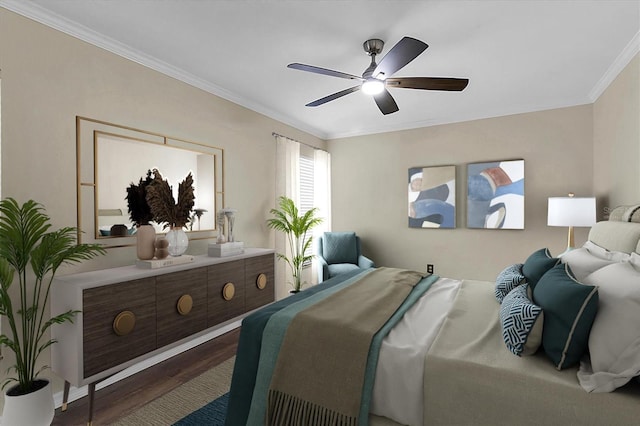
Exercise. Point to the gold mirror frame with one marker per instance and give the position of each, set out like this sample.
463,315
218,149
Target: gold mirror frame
87,133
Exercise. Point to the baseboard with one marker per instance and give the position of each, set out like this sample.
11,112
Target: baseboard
77,393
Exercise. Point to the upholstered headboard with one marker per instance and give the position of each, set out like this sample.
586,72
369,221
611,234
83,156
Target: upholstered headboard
629,213
616,236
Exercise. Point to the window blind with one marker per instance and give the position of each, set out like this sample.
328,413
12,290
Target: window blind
306,191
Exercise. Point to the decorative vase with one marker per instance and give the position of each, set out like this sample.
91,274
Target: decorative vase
162,250
220,222
145,242
230,213
35,408
178,241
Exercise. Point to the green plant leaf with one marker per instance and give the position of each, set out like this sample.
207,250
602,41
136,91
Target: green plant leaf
60,319
25,241
287,219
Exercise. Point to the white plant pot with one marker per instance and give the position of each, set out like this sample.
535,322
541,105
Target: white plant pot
33,409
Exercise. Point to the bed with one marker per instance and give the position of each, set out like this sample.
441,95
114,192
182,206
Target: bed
448,359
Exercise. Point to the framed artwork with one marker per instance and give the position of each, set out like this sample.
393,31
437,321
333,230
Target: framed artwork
432,197
495,195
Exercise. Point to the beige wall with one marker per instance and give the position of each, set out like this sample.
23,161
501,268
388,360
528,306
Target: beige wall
370,188
616,136
48,78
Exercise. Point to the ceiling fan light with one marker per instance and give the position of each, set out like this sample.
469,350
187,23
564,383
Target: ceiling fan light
372,86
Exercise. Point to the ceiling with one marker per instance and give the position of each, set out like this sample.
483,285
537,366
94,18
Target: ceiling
519,56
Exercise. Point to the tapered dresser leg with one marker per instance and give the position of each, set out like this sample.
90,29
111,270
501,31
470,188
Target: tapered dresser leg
65,396
92,393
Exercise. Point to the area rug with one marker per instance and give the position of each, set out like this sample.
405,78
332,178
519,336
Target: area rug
212,414
202,400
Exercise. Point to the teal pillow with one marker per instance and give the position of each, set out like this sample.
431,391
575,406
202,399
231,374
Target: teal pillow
569,310
340,247
536,265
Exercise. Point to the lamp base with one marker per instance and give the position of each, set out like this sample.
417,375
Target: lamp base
570,239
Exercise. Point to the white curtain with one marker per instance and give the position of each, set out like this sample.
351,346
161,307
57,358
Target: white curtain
287,184
321,199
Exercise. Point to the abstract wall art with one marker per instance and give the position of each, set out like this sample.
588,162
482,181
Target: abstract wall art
495,195
432,197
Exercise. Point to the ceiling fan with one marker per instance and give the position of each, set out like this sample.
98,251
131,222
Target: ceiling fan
377,77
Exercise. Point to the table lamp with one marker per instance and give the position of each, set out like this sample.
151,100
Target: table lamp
571,211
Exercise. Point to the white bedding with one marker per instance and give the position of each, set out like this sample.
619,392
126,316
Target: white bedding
398,392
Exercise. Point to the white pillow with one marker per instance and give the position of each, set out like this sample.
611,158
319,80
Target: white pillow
589,258
614,342
596,250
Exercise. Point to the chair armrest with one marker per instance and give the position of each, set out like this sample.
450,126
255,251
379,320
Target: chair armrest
364,262
323,269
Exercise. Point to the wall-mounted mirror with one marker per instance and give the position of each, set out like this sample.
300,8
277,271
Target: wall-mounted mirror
111,157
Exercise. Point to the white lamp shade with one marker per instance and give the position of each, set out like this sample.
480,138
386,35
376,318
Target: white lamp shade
571,211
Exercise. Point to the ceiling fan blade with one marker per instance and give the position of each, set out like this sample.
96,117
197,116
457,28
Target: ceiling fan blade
428,83
385,102
323,71
333,96
405,51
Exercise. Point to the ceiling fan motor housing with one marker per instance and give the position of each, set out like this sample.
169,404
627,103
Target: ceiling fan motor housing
373,46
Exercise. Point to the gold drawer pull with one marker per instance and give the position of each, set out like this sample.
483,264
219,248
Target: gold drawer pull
228,291
185,304
124,323
261,281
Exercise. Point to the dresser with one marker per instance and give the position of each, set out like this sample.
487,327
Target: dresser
129,314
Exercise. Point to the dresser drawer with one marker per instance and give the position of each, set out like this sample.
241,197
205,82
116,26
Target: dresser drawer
181,305
226,293
115,306
259,281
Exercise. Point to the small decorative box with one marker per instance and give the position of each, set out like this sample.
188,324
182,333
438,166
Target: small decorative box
167,261
226,249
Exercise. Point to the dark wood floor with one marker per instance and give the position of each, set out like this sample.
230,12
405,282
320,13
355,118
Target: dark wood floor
128,395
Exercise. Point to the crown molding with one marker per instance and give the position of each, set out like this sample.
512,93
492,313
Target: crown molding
495,113
81,32
623,59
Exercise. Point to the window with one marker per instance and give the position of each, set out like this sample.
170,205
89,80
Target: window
306,186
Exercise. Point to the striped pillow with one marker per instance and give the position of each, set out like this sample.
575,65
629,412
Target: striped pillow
508,279
521,322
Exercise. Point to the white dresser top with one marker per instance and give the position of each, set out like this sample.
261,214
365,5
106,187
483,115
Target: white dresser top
127,273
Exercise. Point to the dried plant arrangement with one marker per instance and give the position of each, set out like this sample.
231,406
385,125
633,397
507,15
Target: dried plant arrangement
163,206
139,210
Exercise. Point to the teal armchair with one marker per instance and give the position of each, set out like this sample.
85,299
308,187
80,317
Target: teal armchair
339,252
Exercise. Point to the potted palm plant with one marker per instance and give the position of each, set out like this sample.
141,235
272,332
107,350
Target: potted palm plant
32,253
287,219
